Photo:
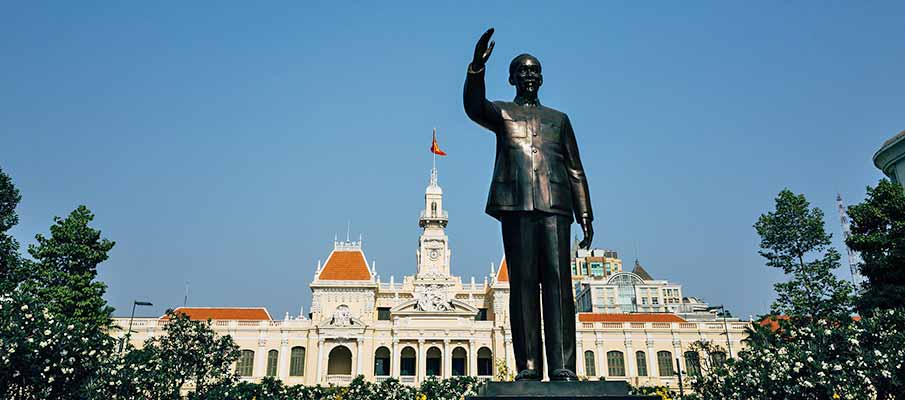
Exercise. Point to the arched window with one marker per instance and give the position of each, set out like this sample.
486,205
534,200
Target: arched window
485,362
459,362
718,358
339,361
692,363
615,363
246,364
297,361
407,362
434,362
590,368
625,290
273,357
641,359
382,361
664,362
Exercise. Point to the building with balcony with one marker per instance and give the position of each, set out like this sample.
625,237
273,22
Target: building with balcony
432,323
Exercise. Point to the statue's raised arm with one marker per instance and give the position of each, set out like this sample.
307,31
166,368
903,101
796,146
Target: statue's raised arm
474,97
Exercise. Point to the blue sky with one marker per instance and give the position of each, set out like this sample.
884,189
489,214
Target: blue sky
225,144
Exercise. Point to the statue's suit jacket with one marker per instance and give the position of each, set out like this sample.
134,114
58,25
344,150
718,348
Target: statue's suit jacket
537,164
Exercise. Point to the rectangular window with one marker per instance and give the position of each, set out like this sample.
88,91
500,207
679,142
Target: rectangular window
481,315
692,363
297,362
641,362
615,363
246,363
273,357
664,362
589,367
596,269
383,313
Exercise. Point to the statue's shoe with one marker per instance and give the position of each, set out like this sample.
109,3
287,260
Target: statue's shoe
528,375
563,375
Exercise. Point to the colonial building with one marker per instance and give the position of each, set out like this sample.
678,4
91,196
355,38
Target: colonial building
433,324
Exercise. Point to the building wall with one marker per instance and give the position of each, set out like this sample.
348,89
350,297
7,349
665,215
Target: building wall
446,335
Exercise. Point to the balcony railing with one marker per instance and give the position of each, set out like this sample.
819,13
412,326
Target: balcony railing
443,216
339,379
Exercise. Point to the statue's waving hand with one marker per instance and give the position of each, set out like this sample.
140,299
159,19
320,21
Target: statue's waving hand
482,50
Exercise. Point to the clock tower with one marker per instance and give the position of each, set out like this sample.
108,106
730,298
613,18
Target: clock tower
433,245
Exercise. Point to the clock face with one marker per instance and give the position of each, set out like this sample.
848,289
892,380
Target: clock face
434,254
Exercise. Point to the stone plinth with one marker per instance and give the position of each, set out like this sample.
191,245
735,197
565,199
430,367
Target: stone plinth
533,390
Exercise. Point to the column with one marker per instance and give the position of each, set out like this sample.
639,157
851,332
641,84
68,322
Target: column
395,359
600,359
359,361
507,346
579,356
260,368
320,360
283,365
422,369
447,359
630,370
653,369
472,359
677,351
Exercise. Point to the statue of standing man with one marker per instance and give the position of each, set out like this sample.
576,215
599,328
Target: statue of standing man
538,185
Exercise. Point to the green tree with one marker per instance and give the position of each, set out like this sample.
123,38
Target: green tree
812,352
878,233
789,236
66,267
54,341
9,248
189,352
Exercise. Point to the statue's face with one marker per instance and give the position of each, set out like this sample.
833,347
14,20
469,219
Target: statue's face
527,76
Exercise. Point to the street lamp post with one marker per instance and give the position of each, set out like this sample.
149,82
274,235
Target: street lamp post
723,311
129,332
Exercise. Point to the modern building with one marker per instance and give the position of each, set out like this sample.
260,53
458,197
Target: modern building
594,262
432,323
891,158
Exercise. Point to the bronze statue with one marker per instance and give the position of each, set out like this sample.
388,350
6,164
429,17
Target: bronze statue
538,184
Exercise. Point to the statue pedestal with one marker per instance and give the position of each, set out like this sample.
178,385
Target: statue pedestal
534,390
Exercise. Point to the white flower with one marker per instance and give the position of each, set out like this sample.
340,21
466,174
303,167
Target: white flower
24,307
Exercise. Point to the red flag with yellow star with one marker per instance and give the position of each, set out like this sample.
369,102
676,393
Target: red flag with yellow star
435,148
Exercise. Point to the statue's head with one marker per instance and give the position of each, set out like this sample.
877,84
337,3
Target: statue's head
525,74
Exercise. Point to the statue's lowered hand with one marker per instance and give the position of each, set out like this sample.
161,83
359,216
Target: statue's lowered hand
588,234
482,50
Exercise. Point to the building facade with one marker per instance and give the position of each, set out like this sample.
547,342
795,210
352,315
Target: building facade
890,158
433,324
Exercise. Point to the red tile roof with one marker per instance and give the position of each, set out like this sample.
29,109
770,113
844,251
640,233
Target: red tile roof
223,313
634,317
346,266
503,274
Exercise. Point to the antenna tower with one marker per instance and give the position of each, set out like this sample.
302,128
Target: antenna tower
853,257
